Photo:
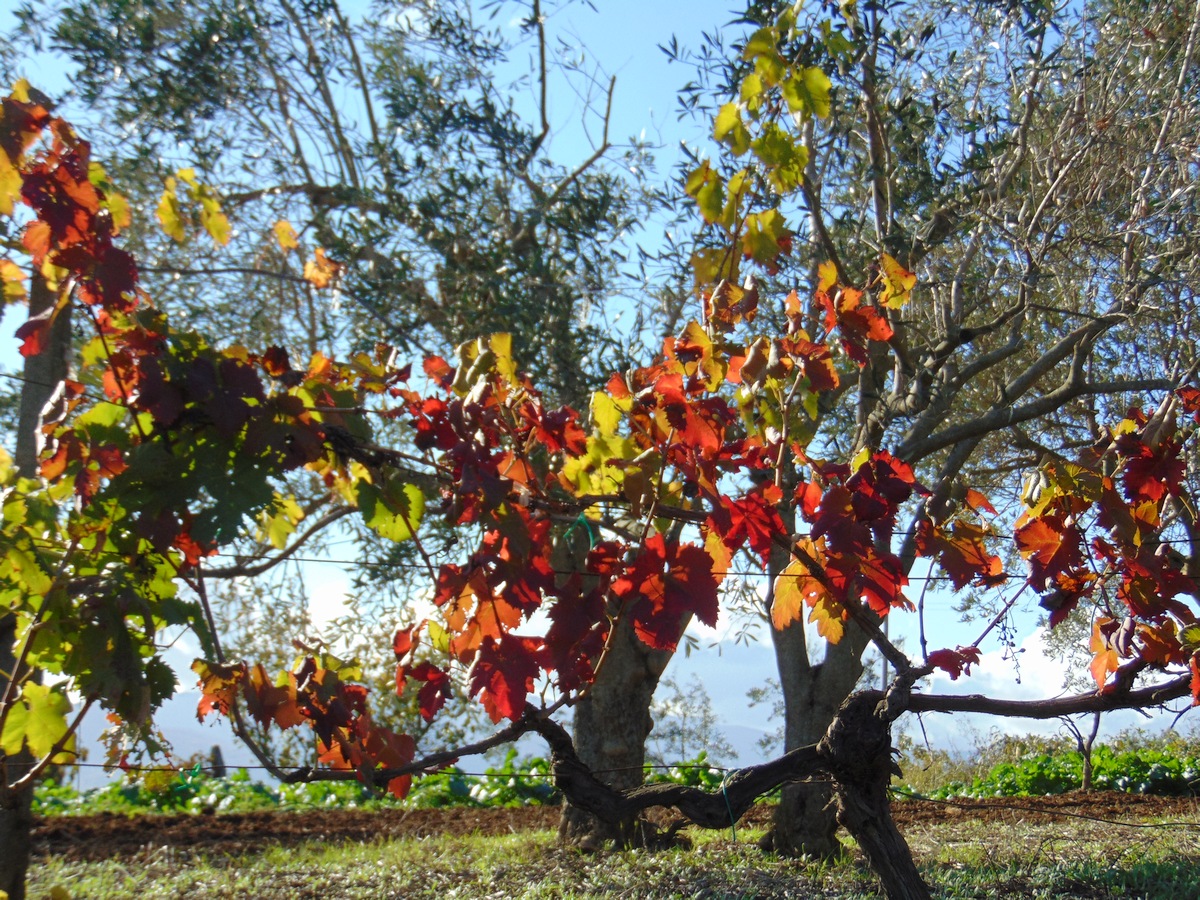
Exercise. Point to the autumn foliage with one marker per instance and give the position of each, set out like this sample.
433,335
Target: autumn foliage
169,447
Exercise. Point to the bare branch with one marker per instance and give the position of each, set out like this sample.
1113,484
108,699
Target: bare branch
258,564
1156,695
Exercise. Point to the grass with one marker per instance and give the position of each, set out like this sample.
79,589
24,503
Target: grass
960,859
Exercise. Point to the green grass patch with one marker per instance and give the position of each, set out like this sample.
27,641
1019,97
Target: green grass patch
960,859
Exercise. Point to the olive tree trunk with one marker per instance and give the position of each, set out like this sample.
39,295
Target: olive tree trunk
804,821
611,726
42,373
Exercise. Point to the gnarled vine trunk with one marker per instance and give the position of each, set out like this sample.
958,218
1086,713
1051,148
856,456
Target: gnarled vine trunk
858,750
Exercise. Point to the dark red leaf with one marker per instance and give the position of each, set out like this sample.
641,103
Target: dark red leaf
503,674
665,583
439,371
35,332
955,662
1052,548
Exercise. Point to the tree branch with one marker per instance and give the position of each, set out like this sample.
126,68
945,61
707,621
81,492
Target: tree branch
250,569
1156,695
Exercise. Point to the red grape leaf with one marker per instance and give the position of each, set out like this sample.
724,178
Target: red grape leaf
955,662
665,582
503,674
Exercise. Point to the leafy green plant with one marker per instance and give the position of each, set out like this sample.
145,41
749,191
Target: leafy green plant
695,772
515,782
1141,770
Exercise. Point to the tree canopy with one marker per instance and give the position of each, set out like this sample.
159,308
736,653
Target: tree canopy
168,446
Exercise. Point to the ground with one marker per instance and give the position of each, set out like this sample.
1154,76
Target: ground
109,836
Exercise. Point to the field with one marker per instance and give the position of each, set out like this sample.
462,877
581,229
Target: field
1100,845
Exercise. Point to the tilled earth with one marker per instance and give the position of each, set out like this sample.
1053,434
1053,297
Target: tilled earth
109,836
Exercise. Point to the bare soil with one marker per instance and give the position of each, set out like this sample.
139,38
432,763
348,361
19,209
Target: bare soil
108,836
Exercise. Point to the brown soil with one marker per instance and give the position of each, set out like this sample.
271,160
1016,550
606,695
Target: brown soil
109,835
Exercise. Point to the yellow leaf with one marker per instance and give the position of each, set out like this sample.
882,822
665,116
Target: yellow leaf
285,234
280,522
20,90
10,184
710,265
116,204
320,271
607,412
860,459
501,346
807,93
58,892
53,275
13,280
818,85
898,283
762,43
592,472
214,221
721,555
708,363
188,175
795,588
826,277
118,208
827,615
169,214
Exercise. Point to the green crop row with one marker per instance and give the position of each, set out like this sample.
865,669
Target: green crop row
520,782
1143,770
513,783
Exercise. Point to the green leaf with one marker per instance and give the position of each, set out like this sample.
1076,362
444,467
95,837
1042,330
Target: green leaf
784,158
1190,637
439,637
752,92
835,41
729,129
762,234
38,720
812,404
708,190
25,569
735,191
394,511
345,669
808,93
761,43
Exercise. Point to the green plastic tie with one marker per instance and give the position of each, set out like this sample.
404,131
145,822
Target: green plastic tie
586,524
729,806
